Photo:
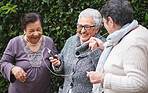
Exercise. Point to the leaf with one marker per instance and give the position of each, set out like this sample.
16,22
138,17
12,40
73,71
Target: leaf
146,16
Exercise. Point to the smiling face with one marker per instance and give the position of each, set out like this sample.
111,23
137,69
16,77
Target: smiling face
86,34
33,32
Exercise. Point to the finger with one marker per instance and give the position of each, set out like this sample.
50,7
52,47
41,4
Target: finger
87,42
51,58
56,63
18,77
93,81
90,46
24,74
57,57
22,78
87,74
20,73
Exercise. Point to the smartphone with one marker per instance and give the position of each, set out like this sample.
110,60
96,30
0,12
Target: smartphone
51,54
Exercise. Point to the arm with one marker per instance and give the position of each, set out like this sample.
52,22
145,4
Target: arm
10,71
7,62
135,65
58,63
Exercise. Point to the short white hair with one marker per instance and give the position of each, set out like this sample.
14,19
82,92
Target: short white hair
95,14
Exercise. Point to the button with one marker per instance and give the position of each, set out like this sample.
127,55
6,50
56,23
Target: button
71,84
77,53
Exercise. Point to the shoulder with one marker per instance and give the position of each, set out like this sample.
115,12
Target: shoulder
48,39
72,38
16,39
137,36
140,33
70,42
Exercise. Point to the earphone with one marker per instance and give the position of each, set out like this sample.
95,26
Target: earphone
50,53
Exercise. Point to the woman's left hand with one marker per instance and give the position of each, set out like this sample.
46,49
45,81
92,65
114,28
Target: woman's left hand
95,77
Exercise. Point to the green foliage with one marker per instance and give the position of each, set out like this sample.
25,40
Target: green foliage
60,18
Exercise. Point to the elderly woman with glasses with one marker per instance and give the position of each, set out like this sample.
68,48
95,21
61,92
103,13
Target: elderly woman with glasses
76,59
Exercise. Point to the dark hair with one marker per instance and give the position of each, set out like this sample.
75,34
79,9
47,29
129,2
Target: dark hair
30,18
119,10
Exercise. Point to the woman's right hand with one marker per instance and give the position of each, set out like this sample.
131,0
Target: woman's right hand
54,61
19,73
95,42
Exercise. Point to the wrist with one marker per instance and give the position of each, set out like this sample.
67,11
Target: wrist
12,70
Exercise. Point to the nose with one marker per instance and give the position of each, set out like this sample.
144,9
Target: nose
35,33
83,30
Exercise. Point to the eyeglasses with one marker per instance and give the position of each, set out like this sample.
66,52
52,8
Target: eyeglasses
86,27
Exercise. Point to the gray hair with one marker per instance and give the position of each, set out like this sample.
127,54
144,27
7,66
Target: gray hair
119,10
95,14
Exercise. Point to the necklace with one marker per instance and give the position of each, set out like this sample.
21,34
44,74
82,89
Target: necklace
30,42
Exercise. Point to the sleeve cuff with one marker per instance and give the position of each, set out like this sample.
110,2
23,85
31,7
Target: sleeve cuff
7,71
58,69
12,78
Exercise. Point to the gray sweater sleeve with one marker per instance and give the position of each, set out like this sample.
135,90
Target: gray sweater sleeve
60,69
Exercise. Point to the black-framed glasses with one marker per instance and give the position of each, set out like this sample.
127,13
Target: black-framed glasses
86,27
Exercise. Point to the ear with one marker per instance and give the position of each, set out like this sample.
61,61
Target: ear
97,30
111,22
24,31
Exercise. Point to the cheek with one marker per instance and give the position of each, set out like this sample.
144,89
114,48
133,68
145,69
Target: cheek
40,33
92,33
29,35
79,32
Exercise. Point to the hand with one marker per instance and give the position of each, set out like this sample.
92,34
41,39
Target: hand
100,43
95,77
55,62
19,73
94,43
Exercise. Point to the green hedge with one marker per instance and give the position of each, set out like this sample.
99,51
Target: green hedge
60,18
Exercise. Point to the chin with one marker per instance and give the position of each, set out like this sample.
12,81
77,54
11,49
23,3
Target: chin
35,40
84,40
